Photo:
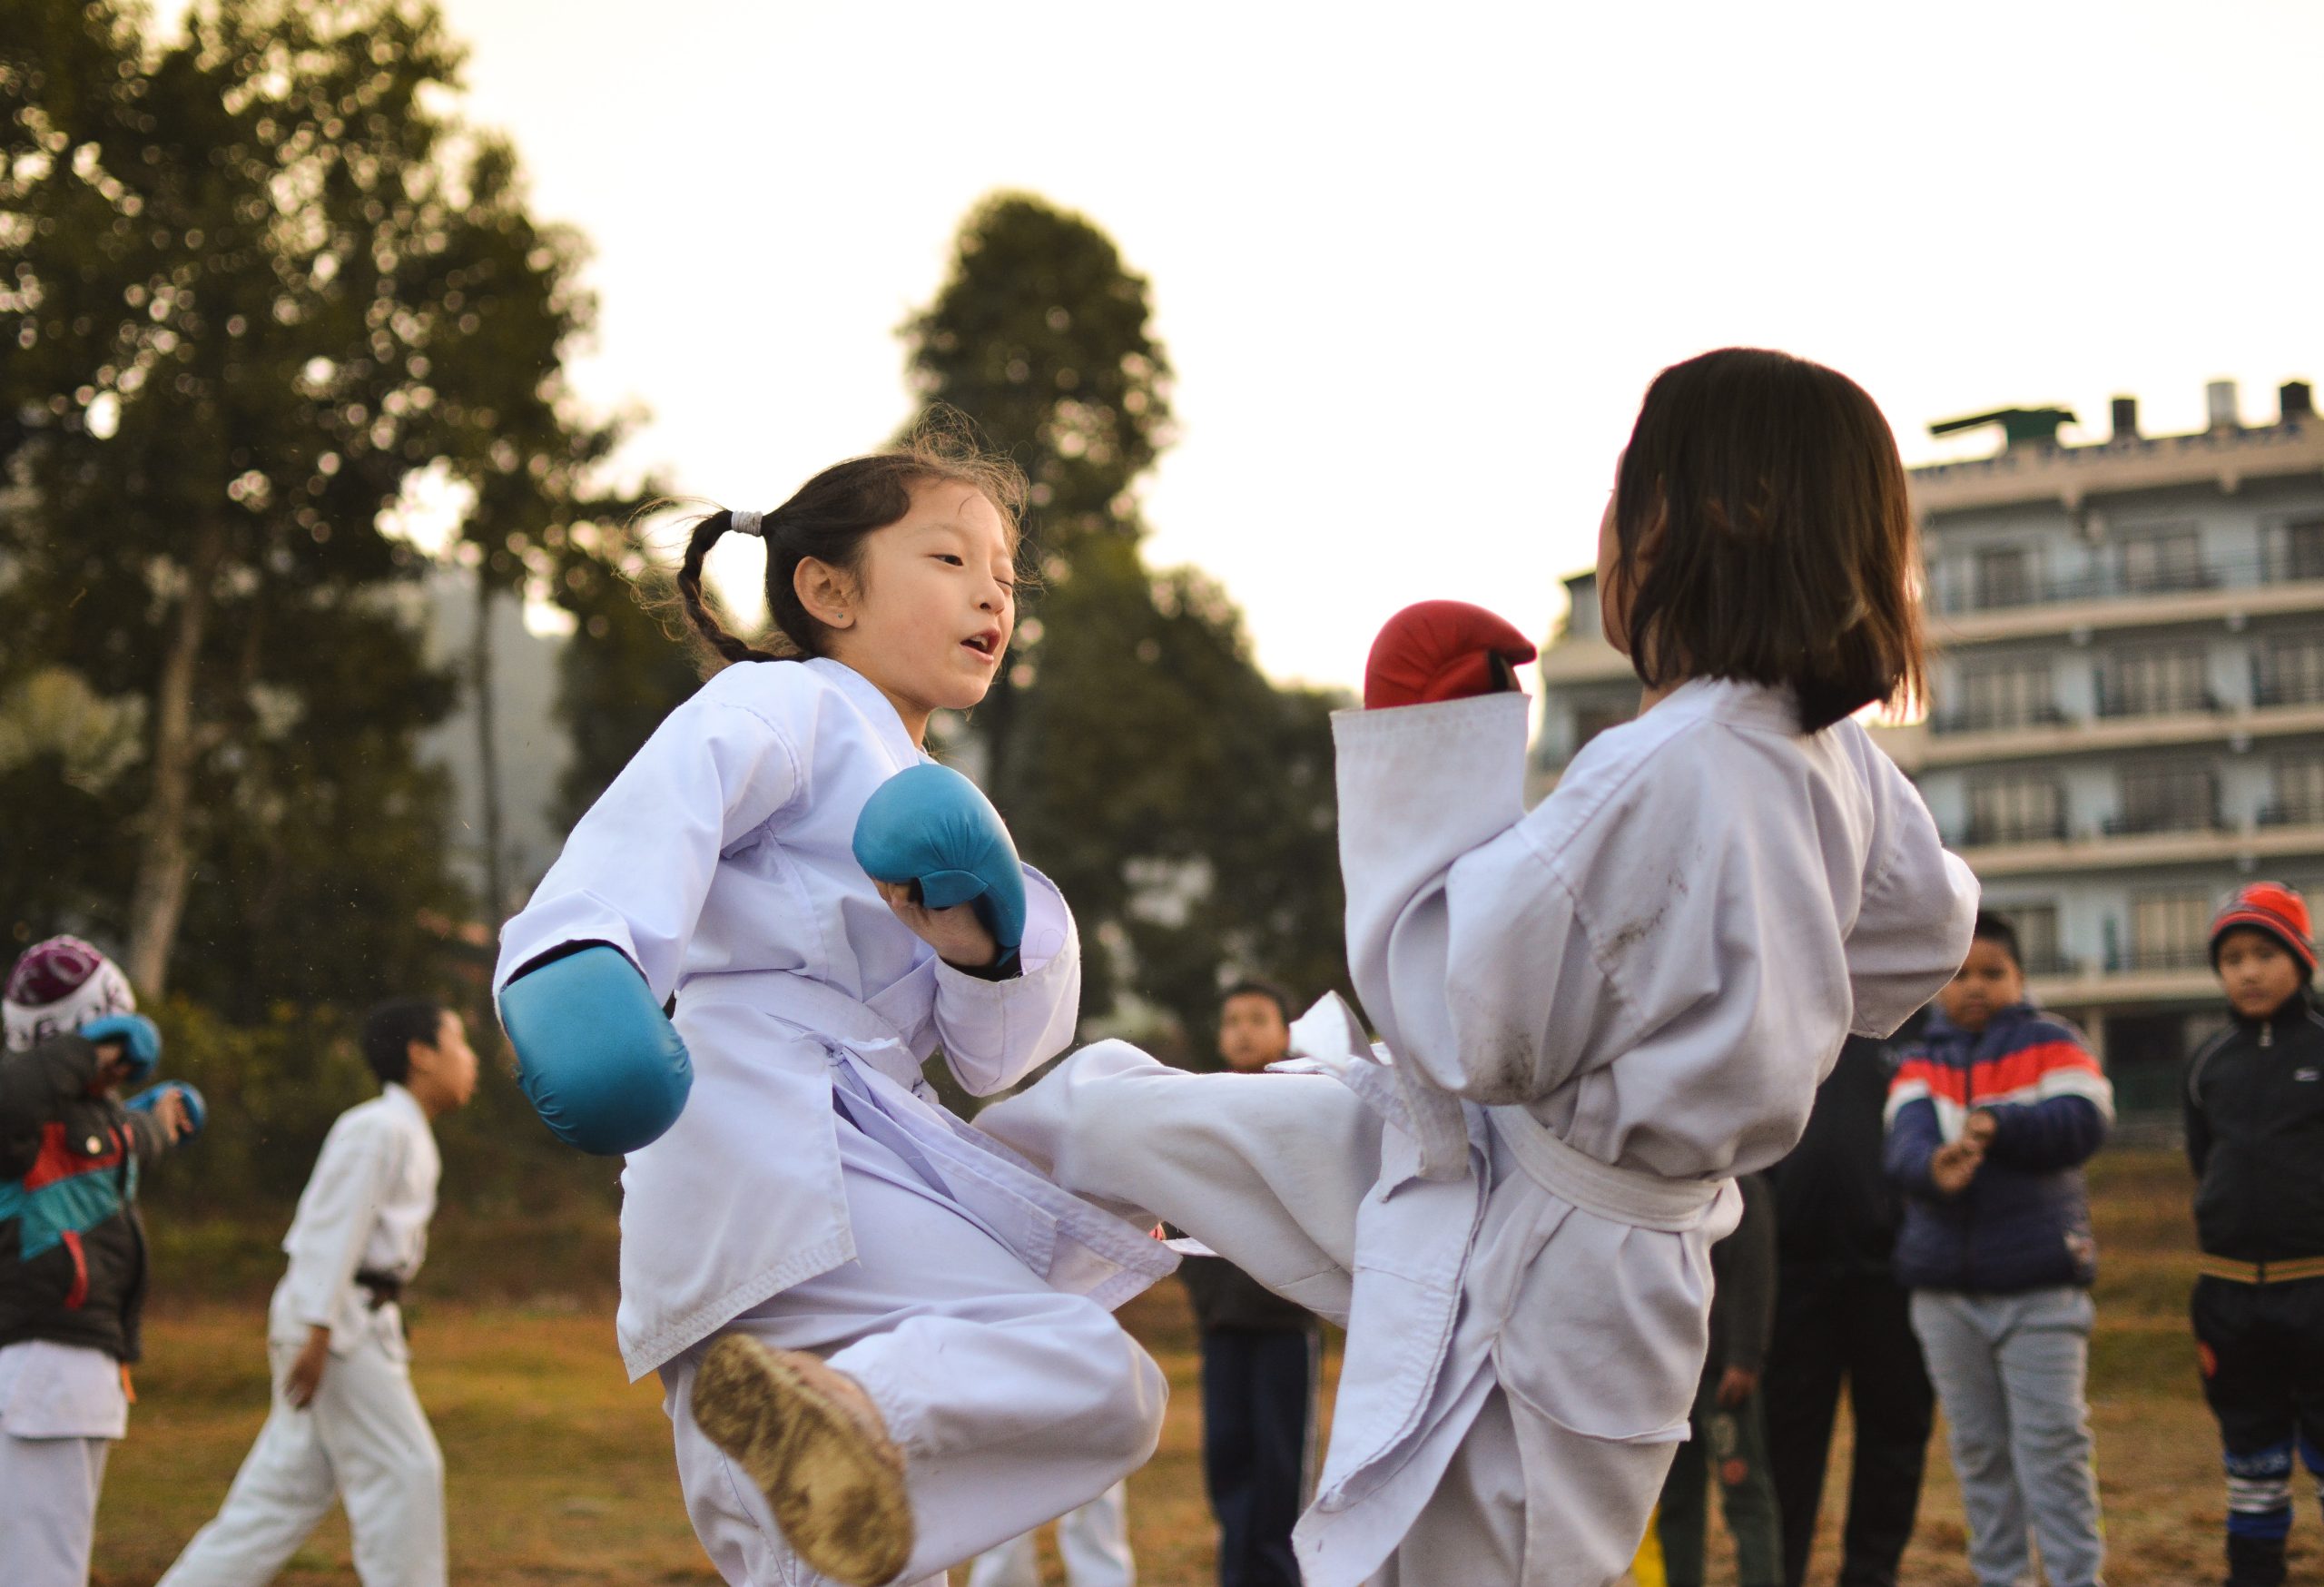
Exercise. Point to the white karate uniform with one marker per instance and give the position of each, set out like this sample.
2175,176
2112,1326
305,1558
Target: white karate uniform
364,1439
1093,1544
61,1407
812,1192
1597,1014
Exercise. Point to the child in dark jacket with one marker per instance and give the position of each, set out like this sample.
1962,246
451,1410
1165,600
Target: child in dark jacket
1990,1117
2255,1134
72,1253
1726,1435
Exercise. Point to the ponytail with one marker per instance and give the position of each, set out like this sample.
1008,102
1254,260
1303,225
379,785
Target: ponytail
713,633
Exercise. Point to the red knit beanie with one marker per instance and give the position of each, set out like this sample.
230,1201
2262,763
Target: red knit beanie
2275,909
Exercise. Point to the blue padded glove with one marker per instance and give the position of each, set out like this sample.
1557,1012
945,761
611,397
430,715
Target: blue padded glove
139,1039
932,825
197,1112
600,1062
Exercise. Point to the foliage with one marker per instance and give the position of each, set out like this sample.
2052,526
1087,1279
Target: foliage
256,283
1182,802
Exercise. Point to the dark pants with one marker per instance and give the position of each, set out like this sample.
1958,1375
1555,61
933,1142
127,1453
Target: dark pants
1730,1445
1856,1328
2262,1352
1258,1424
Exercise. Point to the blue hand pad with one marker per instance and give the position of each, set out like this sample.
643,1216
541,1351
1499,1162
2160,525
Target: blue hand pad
598,1060
139,1039
932,825
197,1111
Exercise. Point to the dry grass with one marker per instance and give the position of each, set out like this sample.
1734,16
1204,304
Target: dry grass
560,1472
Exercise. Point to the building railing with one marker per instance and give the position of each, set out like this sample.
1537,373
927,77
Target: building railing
1996,721
2052,965
1980,834
2128,823
2174,703
2168,956
2294,691
2293,813
1955,588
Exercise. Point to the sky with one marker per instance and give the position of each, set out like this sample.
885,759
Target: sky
1413,266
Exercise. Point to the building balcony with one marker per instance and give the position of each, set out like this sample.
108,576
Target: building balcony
2194,702
1950,723
2083,985
2116,845
1947,741
2221,590
2139,822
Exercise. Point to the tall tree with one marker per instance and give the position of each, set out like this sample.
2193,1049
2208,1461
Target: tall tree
255,280
1182,801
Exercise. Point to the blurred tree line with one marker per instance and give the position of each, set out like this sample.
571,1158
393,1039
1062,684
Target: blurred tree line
260,289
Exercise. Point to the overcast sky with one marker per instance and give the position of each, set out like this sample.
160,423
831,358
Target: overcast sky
1414,265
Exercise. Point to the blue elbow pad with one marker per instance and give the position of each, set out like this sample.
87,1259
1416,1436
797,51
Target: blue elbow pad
595,1056
930,826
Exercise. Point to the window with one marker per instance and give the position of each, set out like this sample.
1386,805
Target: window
2017,808
1589,721
2005,694
2155,681
2167,797
2291,670
2165,559
2037,936
2005,576
2170,930
2303,554
2299,790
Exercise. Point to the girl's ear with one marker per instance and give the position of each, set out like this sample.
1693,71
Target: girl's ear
826,592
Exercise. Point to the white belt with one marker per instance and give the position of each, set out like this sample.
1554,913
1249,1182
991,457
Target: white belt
1625,1196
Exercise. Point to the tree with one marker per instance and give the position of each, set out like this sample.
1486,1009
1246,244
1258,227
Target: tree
1181,801
254,283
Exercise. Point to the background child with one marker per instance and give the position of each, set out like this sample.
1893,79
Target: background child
345,1424
1990,1117
1729,1442
811,1198
1842,1318
73,1255
2255,1134
1599,1011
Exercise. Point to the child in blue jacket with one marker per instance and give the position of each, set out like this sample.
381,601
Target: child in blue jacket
1991,1116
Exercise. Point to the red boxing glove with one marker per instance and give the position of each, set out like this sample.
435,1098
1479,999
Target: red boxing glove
1441,650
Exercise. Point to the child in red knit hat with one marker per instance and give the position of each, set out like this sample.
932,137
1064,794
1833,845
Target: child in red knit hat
2255,1133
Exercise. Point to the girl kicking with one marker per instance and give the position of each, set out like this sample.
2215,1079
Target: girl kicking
886,1345
1595,1015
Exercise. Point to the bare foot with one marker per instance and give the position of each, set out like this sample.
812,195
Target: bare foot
813,1442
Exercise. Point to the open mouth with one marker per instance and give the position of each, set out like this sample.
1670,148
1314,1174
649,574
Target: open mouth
986,644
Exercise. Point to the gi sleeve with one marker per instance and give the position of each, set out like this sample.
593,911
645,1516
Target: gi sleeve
1444,887
1920,902
995,1033
36,1086
636,868
336,1216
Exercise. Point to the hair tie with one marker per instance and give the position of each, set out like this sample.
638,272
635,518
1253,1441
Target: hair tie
748,523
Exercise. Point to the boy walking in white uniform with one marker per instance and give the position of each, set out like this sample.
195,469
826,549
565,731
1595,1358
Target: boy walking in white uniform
345,1422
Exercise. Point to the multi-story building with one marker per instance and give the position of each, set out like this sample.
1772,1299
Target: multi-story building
2126,711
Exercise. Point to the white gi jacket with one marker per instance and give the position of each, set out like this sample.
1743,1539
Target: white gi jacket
1634,991
719,862
365,1209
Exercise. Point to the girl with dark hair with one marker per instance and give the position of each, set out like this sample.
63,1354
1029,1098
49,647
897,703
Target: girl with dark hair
885,1345
1599,1012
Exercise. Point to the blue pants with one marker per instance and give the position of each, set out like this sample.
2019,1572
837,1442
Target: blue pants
1258,1428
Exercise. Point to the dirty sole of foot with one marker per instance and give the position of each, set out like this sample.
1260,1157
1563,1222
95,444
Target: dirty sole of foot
836,1486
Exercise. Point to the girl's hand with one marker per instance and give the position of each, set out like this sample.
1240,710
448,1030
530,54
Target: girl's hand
959,937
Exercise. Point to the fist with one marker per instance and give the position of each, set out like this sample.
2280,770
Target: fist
135,1043
1443,650
176,1106
932,831
595,1056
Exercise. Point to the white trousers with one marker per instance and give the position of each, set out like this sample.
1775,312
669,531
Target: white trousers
48,1508
1013,1403
364,1441
1093,1541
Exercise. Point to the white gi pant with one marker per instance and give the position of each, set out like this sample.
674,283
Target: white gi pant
1093,1541
1270,1172
365,1441
1012,1401
61,1407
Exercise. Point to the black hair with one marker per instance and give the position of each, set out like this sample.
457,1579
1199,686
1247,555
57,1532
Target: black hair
389,1029
1254,988
1996,930
829,516
1787,549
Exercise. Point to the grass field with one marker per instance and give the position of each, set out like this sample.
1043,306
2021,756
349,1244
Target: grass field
560,1472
